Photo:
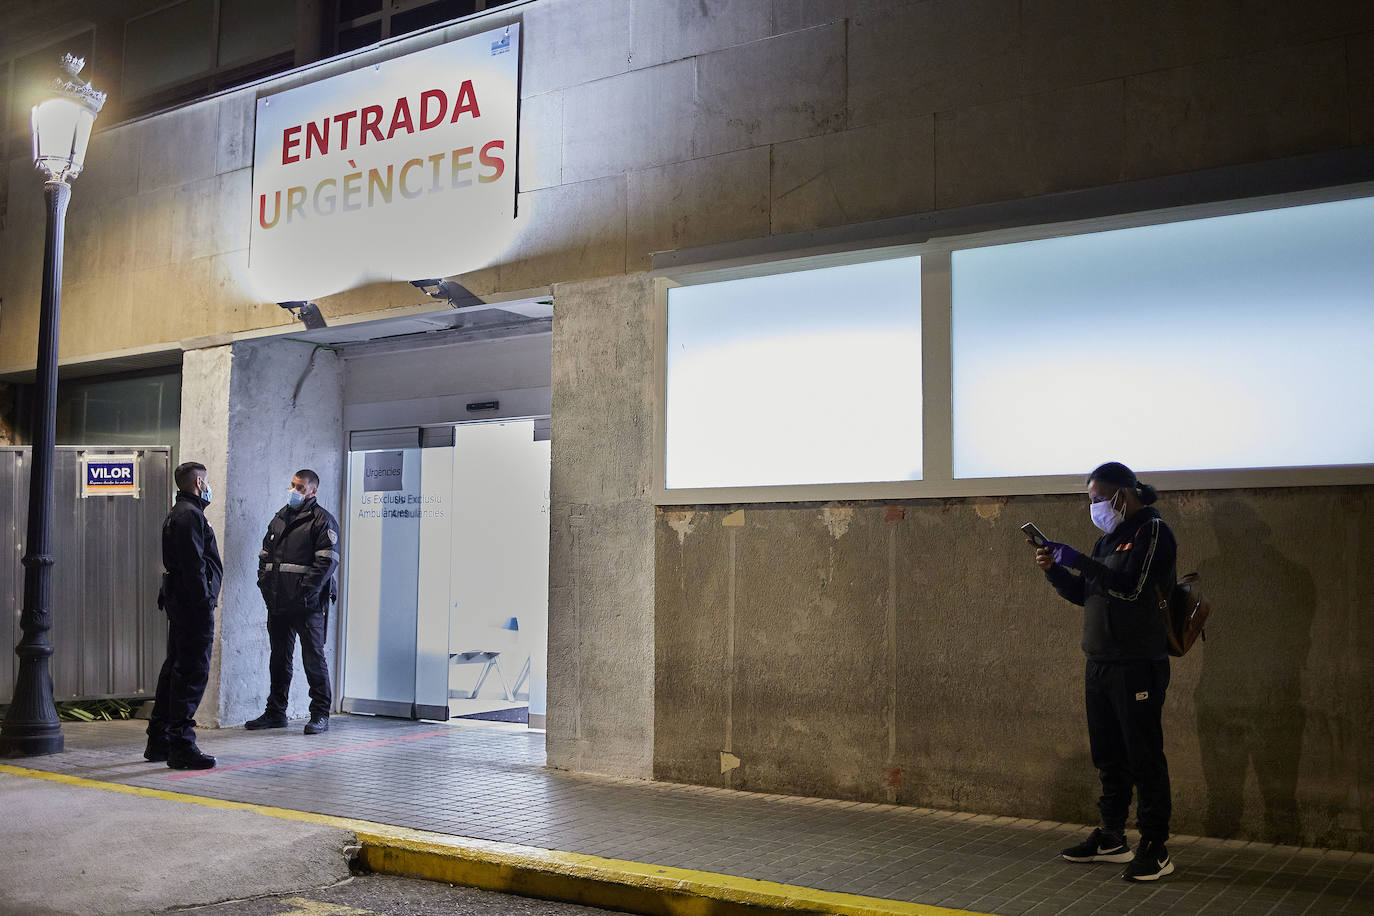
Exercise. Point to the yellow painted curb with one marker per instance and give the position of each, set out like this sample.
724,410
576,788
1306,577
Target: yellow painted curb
616,883
529,871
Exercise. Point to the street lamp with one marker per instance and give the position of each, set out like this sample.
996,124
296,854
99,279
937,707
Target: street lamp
61,129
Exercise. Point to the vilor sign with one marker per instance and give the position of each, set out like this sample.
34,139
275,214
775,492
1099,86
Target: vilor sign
109,475
402,170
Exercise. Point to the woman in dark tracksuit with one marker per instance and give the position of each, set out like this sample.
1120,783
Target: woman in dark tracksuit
1128,664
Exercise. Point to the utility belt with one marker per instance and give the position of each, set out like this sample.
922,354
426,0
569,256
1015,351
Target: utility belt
274,566
284,595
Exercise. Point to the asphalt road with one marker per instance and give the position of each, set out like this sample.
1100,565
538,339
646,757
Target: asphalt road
374,895
80,851
76,851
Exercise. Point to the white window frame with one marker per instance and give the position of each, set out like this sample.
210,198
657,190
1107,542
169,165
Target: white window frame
938,480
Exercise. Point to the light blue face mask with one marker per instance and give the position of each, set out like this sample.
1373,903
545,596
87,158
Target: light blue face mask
294,498
1106,516
205,493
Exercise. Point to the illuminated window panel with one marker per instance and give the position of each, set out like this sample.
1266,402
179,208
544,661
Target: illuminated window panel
811,377
1241,341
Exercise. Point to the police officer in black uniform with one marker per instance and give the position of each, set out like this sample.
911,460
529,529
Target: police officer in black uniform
296,566
189,593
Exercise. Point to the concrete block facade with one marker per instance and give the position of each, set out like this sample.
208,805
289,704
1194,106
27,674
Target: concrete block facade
831,649
601,536
823,181
829,113
239,420
913,653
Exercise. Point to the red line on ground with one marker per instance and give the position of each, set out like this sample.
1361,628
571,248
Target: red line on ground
322,752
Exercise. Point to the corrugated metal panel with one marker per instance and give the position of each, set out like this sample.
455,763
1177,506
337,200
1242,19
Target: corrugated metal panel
14,467
108,635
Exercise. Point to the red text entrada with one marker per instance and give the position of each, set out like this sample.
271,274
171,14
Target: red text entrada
370,123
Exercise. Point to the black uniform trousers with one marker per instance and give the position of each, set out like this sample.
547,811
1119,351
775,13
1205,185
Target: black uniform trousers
1125,703
181,682
282,630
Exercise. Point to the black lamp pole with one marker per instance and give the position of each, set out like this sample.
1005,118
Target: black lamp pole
61,129
31,725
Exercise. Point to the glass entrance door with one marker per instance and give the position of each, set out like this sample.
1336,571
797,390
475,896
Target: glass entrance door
396,594
380,592
446,587
498,626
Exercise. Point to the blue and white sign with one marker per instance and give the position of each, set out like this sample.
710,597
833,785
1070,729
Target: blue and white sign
109,475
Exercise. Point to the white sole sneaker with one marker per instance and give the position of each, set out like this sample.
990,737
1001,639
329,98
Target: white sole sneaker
1118,856
1167,868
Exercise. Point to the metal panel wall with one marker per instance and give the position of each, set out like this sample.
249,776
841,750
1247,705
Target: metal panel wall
108,635
14,473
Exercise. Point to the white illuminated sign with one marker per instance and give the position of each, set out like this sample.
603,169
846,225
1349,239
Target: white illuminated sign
402,170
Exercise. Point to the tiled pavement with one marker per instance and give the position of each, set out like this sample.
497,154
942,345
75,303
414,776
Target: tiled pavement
489,782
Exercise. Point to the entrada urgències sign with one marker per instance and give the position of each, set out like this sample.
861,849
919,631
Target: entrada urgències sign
400,170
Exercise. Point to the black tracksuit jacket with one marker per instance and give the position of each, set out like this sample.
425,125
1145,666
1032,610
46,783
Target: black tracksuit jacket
1115,586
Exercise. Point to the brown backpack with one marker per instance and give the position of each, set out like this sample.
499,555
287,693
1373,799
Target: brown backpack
1185,613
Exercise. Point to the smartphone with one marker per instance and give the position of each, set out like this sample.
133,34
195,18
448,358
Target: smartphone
1036,537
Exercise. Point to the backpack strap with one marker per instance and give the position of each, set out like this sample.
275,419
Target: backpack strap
1166,612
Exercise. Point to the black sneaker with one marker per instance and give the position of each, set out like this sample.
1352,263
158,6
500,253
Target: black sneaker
316,725
190,758
1100,846
1151,862
266,720
156,751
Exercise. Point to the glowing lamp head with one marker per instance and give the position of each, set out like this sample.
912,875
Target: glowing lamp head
62,122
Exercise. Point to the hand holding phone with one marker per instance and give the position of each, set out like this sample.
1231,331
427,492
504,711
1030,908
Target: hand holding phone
1034,535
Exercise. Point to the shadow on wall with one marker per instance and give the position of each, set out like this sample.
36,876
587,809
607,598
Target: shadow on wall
1249,696
1075,788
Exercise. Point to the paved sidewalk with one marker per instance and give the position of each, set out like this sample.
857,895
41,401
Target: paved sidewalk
489,782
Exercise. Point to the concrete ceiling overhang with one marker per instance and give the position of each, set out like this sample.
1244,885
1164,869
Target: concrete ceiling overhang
421,326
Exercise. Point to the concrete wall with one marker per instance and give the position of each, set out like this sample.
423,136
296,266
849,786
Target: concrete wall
913,653
654,125
237,418
601,540
920,659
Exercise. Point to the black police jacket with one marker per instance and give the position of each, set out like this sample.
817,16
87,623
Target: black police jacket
1116,585
299,556
190,557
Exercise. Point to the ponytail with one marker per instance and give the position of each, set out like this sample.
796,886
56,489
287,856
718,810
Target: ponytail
1118,475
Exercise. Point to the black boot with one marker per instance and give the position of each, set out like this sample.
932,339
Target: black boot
316,725
268,719
156,751
189,758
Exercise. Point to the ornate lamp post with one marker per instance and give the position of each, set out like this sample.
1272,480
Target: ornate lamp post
61,129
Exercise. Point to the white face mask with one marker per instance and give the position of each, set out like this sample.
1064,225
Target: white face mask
1105,514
